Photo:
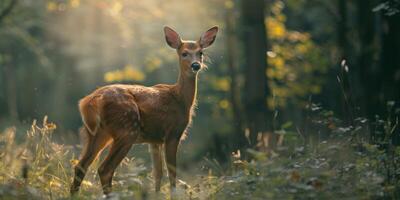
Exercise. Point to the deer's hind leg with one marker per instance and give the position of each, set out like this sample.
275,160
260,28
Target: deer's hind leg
94,145
123,120
119,149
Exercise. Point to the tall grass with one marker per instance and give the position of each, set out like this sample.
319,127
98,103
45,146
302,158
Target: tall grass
340,165
39,168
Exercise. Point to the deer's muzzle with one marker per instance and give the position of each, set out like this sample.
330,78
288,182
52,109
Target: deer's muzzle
196,66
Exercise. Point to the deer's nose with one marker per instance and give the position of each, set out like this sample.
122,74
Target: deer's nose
195,66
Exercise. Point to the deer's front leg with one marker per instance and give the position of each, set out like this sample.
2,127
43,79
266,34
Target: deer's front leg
157,165
171,148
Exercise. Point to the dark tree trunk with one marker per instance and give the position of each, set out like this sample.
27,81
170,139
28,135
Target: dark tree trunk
256,91
342,21
391,57
344,48
368,72
391,67
231,40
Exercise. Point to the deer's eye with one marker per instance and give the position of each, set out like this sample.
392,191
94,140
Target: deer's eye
201,53
184,54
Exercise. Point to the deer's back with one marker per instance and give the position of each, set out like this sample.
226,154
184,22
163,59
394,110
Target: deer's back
155,112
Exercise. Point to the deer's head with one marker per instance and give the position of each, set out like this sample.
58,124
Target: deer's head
190,52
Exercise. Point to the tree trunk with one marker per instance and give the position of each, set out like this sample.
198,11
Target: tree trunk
368,73
254,39
344,48
391,57
391,68
239,138
342,21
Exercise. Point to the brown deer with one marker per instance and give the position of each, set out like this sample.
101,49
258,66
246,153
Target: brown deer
122,115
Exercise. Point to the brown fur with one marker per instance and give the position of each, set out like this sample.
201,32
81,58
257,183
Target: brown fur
122,115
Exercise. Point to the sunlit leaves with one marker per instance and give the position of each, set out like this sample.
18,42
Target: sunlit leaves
229,4
294,62
276,30
129,73
152,63
53,6
222,84
224,104
74,3
115,8
74,162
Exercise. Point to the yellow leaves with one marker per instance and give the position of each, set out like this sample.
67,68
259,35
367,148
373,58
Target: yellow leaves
295,36
129,73
55,183
229,4
302,48
281,92
74,162
276,29
133,74
51,126
74,3
153,63
51,6
116,8
113,76
222,84
87,183
224,104
276,24
293,60
277,7
278,69
278,62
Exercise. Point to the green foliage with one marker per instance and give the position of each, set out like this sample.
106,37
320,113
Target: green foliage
297,67
335,168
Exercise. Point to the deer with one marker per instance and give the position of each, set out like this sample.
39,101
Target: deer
121,115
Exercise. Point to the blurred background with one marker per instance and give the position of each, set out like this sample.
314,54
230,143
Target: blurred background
273,62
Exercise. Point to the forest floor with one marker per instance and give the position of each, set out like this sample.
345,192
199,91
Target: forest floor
339,166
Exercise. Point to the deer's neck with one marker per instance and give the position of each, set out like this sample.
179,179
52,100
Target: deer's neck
187,89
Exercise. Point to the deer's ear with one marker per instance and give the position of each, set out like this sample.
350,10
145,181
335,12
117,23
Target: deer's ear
208,37
173,39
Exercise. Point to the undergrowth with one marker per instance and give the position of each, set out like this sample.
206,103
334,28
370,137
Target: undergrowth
342,164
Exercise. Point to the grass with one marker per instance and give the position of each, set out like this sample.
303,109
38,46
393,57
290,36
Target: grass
40,168
341,165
